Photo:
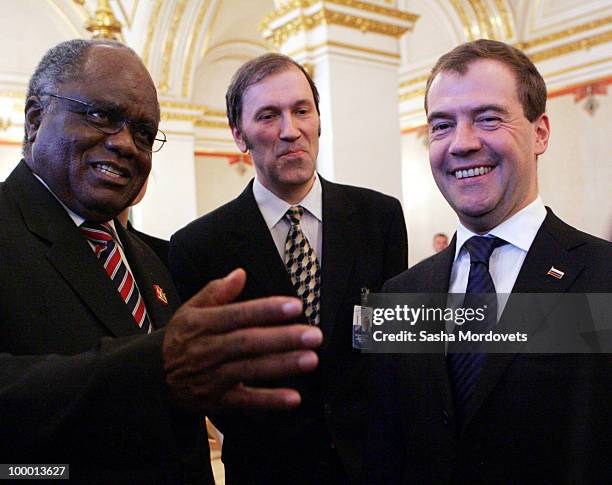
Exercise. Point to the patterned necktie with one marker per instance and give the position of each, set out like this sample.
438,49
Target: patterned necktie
464,367
107,251
303,266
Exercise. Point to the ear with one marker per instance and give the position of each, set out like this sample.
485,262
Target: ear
33,117
541,128
239,139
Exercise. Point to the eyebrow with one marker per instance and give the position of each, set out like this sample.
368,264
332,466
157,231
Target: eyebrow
274,107
498,108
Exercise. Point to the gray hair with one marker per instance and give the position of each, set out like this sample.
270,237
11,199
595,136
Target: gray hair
63,63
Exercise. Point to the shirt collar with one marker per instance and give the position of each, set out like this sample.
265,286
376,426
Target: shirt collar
77,219
519,230
273,208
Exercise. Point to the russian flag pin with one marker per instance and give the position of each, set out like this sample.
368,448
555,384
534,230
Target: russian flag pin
555,273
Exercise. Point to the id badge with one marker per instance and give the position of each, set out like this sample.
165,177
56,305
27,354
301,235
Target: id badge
362,327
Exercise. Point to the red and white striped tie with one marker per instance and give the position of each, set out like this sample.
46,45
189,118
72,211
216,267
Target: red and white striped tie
101,236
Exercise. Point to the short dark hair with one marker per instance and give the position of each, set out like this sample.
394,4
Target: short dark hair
63,63
253,72
530,86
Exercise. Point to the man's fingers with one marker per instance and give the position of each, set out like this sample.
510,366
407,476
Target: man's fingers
252,342
257,398
263,311
270,367
223,290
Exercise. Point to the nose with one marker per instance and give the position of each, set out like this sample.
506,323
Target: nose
465,139
289,130
122,142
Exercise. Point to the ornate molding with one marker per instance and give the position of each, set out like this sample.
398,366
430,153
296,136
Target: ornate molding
412,94
356,4
563,34
415,80
195,34
182,105
220,125
568,48
304,18
151,32
483,18
505,17
164,84
465,21
104,24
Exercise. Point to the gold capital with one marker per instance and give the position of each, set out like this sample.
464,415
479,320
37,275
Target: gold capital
104,25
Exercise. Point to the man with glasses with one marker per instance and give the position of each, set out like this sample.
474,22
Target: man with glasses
89,376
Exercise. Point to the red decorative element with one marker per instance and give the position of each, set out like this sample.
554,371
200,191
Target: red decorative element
589,90
241,158
160,294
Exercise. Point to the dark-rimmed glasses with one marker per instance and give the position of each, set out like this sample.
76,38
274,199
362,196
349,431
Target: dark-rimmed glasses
146,137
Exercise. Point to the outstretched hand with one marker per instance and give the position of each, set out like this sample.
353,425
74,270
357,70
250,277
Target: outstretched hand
212,346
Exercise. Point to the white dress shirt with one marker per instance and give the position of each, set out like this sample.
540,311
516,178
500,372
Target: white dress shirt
78,221
273,210
518,231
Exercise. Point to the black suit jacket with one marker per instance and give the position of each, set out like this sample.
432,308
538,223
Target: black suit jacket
364,243
159,246
537,418
79,384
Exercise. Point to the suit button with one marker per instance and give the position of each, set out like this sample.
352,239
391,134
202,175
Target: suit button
327,409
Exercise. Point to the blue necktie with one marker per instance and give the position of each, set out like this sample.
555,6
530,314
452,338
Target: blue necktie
464,361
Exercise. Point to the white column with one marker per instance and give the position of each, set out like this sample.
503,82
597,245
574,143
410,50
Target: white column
352,48
171,199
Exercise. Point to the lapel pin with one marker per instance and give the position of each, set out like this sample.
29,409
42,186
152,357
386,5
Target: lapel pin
160,294
555,273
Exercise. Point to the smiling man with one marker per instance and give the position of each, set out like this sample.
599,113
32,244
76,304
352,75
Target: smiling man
295,234
496,418
99,367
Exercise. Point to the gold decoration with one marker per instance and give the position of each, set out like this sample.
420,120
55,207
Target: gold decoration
412,94
212,124
505,15
416,80
217,113
169,115
467,27
365,6
578,45
562,34
169,46
303,23
483,17
181,105
150,32
104,25
194,35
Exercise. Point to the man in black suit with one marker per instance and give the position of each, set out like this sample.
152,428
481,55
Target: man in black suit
89,376
338,241
510,418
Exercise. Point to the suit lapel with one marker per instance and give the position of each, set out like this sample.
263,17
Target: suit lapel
69,252
550,248
339,233
438,284
256,250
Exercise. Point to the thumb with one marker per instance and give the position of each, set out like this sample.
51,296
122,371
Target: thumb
221,291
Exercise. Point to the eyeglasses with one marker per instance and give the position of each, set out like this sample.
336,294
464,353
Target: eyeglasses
145,136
